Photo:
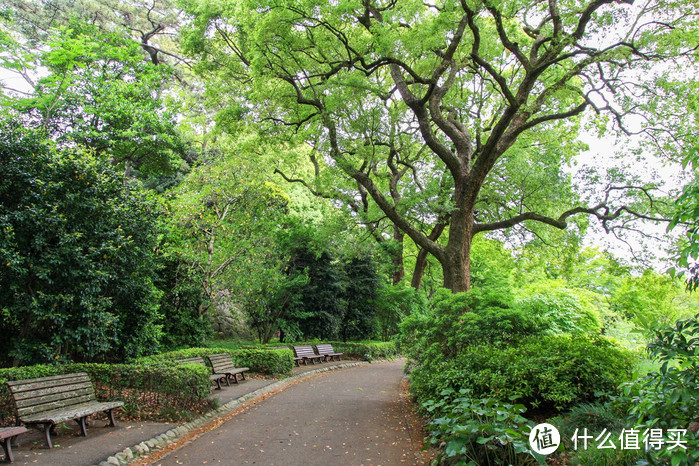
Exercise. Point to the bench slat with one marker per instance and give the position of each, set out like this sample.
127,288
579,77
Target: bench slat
54,405
20,386
64,390
48,398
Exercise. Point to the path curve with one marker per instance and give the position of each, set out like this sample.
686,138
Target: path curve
346,417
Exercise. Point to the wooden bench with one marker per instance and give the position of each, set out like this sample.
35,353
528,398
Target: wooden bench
7,434
215,378
305,354
46,401
223,366
326,350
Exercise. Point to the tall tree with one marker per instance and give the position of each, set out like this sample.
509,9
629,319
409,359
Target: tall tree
477,83
100,93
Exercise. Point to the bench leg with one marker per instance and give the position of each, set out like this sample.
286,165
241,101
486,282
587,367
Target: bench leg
83,426
7,446
46,429
242,374
110,415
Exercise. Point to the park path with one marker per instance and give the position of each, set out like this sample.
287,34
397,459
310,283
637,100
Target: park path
346,417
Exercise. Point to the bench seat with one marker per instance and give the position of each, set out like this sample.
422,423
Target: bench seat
7,434
60,415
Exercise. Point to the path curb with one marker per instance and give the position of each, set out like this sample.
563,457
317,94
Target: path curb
129,454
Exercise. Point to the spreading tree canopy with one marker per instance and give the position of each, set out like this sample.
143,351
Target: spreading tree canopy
433,111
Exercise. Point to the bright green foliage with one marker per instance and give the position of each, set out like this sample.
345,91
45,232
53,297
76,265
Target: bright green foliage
479,430
561,308
102,94
459,114
276,362
77,263
669,398
481,316
476,341
688,214
651,298
223,222
366,349
164,392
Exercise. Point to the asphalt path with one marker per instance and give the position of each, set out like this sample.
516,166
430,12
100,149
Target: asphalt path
346,417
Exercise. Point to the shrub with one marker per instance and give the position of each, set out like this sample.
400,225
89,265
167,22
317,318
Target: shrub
160,392
544,371
77,255
262,360
265,361
668,398
480,431
562,310
457,321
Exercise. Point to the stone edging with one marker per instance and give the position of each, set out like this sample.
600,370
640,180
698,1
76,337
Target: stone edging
129,454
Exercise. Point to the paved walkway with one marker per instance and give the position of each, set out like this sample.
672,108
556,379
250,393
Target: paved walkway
345,417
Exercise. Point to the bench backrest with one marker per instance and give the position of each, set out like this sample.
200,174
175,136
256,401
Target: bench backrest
43,394
221,363
305,351
325,348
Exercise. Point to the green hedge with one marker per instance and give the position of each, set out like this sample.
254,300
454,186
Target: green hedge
263,360
552,371
364,350
156,392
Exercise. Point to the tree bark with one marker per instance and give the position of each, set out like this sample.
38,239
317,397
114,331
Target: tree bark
397,260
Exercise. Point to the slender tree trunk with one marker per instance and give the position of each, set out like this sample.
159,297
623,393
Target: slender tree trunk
397,261
420,265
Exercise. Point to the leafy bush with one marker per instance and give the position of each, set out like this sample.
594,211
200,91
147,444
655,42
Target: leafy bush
259,359
456,321
265,361
562,309
480,431
160,392
545,371
76,252
668,398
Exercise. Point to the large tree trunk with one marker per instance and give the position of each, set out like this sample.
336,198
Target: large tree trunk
456,256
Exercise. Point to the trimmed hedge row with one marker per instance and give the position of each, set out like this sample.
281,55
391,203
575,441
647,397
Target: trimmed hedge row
363,350
270,361
159,391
